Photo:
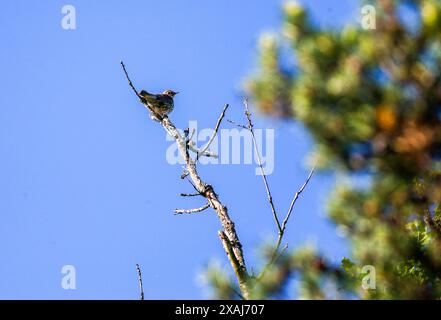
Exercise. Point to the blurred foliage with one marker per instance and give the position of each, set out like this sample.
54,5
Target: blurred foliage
314,277
371,99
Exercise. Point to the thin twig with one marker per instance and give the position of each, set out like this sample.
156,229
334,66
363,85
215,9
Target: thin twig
184,174
189,194
189,211
141,98
141,290
216,128
237,124
130,81
193,130
187,155
262,171
293,202
192,184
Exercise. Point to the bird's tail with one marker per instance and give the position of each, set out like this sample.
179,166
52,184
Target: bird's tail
145,94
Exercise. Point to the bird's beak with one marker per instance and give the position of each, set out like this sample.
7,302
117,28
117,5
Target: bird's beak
176,92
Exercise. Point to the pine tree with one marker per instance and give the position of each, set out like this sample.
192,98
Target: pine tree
371,99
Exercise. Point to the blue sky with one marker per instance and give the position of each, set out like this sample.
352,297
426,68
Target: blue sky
84,178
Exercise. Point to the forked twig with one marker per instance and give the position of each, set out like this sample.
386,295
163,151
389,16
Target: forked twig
281,227
293,202
259,162
276,254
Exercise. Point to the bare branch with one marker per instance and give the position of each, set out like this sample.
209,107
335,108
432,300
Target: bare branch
192,134
130,81
216,128
141,290
189,211
184,174
189,194
192,184
293,202
237,124
206,190
259,160
240,274
213,199
281,227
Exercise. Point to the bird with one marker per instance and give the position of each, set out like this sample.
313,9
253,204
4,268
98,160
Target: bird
161,104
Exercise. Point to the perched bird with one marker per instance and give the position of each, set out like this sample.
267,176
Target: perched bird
161,103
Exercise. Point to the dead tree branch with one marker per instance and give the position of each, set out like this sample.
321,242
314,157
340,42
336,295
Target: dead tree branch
241,274
189,211
231,240
189,194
